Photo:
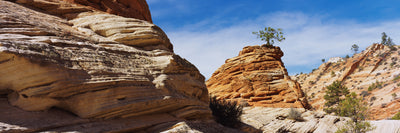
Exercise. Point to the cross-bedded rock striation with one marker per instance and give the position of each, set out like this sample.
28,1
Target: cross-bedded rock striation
257,77
94,64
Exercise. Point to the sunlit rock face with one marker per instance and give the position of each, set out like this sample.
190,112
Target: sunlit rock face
94,64
257,77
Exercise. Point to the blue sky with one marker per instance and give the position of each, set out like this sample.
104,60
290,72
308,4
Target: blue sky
208,32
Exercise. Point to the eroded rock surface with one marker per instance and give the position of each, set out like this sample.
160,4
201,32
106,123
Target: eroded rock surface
93,64
126,8
15,120
272,120
70,8
257,77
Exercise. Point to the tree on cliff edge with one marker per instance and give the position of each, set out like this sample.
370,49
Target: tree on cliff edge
269,35
386,41
354,48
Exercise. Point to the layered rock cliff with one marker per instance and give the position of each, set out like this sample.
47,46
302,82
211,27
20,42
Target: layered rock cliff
56,54
257,77
127,8
373,74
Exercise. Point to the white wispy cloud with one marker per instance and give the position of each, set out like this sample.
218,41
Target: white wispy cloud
308,39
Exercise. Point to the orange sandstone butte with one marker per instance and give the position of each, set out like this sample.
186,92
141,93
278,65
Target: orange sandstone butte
257,77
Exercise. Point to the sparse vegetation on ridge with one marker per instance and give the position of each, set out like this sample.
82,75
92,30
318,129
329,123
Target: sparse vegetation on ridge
387,40
375,85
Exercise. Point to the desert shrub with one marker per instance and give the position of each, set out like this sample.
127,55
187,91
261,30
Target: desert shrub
333,74
383,105
396,116
364,93
394,95
373,98
396,78
295,115
370,88
375,85
225,113
313,69
392,64
312,95
393,48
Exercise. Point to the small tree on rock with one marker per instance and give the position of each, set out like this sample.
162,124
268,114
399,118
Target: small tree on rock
354,48
356,109
269,35
384,38
386,41
390,42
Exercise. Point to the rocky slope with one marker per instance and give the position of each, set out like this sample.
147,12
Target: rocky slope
373,74
99,66
257,77
272,120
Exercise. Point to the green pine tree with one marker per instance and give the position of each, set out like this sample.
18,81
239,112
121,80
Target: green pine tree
384,38
354,48
333,95
356,109
269,35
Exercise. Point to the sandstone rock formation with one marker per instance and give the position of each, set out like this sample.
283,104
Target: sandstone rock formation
272,120
257,77
126,8
378,65
94,64
15,120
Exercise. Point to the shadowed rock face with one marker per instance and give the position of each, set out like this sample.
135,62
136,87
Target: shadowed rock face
126,8
96,65
257,77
